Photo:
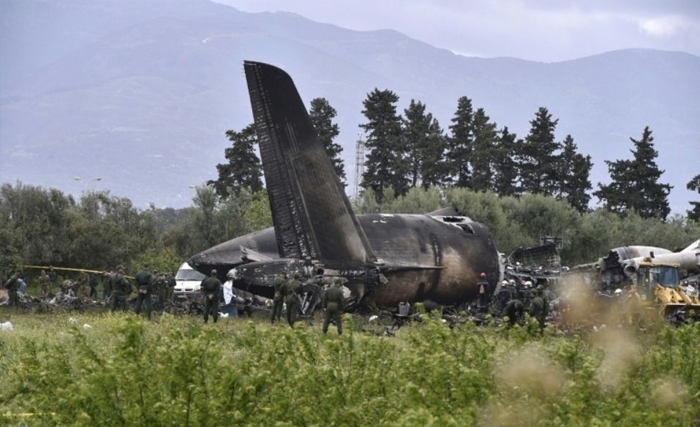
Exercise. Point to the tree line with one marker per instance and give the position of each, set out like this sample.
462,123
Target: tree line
98,231
521,188
413,150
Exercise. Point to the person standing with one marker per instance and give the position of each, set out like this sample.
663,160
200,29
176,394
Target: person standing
230,303
211,288
93,286
12,286
120,288
107,285
170,286
22,285
144,283
537,307
333,305
281,287
483,285
52,275
45,283
293,303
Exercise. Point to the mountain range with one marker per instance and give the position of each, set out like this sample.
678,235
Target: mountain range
141,93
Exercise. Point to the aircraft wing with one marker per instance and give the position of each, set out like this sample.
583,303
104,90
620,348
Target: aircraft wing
311,213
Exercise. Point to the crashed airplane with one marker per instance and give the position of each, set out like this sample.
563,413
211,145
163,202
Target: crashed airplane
620,264
384,259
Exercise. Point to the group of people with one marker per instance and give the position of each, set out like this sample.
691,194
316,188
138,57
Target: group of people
117,289
289,292
525,297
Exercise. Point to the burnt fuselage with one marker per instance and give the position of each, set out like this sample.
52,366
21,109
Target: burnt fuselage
419,258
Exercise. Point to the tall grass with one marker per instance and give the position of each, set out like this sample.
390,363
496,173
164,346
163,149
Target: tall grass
125,371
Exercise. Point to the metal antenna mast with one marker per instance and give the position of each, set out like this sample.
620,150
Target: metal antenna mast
359,163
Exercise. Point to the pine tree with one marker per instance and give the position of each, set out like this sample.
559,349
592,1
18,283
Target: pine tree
694,185
415,130
635,183
386,164
483,151
434,172
322,115
505,168
538,159
460,143
425,143
574,176
243,168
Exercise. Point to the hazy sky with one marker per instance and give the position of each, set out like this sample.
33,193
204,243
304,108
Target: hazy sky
540,30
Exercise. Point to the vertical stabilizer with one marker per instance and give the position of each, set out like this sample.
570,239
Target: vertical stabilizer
311,213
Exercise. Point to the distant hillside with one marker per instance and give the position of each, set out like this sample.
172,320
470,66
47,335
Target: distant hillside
140,93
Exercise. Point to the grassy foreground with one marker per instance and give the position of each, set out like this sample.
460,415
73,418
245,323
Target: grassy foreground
125,371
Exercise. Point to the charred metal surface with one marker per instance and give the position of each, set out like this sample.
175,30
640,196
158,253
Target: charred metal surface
383,259
612,266
424,258
312,215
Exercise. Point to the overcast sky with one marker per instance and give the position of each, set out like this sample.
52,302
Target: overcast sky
539,30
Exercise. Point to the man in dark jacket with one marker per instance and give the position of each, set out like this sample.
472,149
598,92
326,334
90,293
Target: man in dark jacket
121,289
12,286
211,287
293,302
281,288
333,305
144,283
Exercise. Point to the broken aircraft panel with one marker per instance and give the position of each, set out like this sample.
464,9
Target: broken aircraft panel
383,259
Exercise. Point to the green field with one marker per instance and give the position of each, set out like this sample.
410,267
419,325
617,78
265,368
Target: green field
176,371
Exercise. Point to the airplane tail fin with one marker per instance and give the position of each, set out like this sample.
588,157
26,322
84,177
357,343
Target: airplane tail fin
311,213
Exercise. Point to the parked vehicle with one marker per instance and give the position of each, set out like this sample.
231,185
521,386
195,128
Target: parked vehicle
188,282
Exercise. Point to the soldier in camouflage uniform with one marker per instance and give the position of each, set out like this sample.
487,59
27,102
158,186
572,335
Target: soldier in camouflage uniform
293,302
121,289
281,288
12,286
159,285
515,310
169,286
333,304
539,307
211,287
45,282
144,284
106,285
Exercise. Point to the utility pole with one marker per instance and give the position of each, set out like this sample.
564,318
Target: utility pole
359,163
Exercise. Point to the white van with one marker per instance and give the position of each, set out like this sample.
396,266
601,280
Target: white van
188,282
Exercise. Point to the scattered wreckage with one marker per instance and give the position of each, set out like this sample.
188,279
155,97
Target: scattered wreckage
644,282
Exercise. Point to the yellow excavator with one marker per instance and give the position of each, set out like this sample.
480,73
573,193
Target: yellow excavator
659,288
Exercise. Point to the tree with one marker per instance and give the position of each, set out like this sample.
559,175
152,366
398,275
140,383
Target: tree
574,176
322,115
635,183
460,143
386,165
694,185
434,172
423,137
538,159
483,151
505,168
243,168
